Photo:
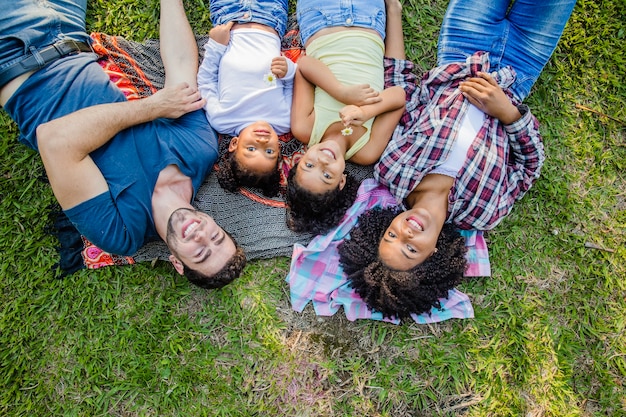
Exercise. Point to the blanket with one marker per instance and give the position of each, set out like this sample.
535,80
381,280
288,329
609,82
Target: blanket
257,223
316,276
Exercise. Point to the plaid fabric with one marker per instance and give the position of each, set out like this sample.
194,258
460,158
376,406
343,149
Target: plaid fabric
315,275
502,163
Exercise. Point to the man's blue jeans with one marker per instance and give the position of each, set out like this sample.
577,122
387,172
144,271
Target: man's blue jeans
28,24
523,37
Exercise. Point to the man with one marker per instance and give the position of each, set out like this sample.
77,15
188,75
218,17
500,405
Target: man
122,171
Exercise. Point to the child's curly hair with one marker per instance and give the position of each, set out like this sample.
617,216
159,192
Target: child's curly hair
231,176
317,213
400,293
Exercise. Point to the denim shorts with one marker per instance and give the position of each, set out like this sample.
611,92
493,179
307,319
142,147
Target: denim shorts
315,15
26,24
272,13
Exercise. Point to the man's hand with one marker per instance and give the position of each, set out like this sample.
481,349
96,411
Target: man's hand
484,93
221,33
279,66
173,102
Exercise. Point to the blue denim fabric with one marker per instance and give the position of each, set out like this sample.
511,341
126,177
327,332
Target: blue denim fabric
272,13
524,38
28,24
314,15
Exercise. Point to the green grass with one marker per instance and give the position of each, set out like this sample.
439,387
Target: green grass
548,339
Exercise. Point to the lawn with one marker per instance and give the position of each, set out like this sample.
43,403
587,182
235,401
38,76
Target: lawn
548,339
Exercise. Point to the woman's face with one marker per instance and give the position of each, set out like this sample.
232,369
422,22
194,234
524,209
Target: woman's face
410,239
256,148
321,168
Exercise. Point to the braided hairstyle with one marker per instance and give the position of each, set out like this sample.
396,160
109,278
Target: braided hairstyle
400,293
232,176
317,213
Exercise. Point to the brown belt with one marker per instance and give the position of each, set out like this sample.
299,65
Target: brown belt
41,58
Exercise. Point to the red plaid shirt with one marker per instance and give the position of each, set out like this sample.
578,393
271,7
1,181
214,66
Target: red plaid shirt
502,162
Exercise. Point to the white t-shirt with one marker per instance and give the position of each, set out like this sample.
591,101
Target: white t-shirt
234,79
468,130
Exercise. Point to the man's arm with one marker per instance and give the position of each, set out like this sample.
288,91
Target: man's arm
65,143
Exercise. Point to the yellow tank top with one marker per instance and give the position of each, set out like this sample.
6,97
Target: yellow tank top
355,57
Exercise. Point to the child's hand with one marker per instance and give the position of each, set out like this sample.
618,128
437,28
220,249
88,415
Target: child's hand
484,93
359,95
279,66
221,33
352,115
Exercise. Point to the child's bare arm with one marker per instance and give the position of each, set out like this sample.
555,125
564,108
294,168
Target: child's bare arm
302,113
392,98
317,73
382,128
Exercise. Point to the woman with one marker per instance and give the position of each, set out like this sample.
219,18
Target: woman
466,149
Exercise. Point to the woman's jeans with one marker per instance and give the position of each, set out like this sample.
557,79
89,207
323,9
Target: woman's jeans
272,13
314,15
524,37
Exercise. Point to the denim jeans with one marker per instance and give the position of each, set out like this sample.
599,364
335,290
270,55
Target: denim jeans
28,24
272,13
314,15
523,38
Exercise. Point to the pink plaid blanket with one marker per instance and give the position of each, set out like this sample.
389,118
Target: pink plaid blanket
315,275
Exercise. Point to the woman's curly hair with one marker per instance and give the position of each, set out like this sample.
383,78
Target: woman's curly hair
400,293
231,176
317,213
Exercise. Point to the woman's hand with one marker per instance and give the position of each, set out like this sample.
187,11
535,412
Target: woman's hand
484,93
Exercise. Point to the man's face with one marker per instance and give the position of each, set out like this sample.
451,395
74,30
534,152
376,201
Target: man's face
256,148
197,241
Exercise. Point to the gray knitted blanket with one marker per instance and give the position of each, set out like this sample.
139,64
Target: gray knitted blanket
256,222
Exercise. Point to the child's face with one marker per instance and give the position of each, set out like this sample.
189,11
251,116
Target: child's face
321,168
256,148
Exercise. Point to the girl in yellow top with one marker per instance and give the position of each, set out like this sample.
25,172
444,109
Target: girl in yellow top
339,107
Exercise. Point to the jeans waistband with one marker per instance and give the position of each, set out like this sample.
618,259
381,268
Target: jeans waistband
38,59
